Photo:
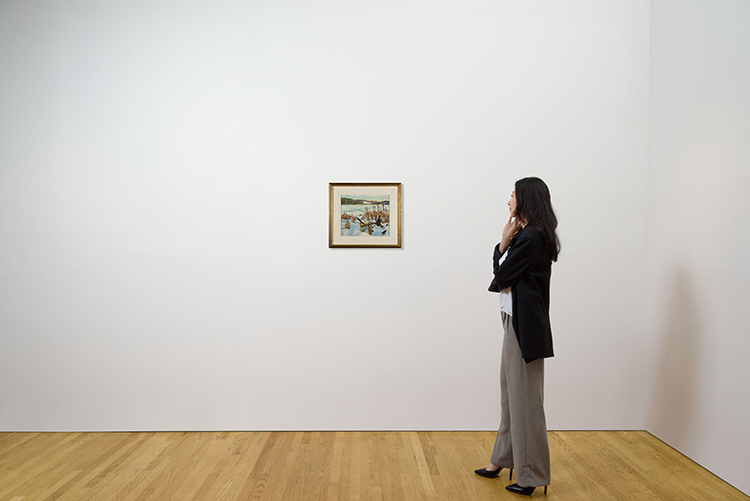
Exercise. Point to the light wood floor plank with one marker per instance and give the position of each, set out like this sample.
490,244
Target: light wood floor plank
103,450
336,466
249,451
177,457
9,442
15,444
410,480
334,475
25,479
254,486
221,469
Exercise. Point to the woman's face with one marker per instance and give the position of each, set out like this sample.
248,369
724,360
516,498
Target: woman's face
512,203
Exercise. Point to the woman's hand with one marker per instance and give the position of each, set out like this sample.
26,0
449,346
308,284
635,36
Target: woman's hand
511,228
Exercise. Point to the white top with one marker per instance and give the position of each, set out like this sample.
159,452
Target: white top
506,300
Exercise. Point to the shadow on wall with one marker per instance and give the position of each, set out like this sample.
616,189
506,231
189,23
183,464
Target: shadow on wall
672,407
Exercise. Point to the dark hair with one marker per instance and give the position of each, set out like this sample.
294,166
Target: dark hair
534,207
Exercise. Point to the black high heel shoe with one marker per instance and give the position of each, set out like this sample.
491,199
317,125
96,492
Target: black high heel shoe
483,472
526,491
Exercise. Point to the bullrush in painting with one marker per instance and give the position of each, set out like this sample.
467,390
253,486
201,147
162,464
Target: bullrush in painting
365,215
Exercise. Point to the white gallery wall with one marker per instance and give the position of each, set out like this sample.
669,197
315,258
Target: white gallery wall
699,233
164,173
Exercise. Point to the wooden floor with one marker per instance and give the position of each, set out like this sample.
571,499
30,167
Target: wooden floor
336,466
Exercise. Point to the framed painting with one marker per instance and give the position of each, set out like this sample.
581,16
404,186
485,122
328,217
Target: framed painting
364,215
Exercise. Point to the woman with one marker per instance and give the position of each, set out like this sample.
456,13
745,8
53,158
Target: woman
522,265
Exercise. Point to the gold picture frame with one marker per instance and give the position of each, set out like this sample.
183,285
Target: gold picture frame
364,215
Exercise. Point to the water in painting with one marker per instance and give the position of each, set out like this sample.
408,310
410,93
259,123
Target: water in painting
365,215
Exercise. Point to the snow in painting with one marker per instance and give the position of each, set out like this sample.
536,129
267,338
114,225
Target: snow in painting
365,215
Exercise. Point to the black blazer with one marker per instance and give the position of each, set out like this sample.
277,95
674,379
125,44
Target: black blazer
527,269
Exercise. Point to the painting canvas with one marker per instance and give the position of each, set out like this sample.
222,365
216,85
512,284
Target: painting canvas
364,215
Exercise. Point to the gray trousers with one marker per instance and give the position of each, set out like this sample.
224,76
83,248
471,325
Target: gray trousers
522,438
